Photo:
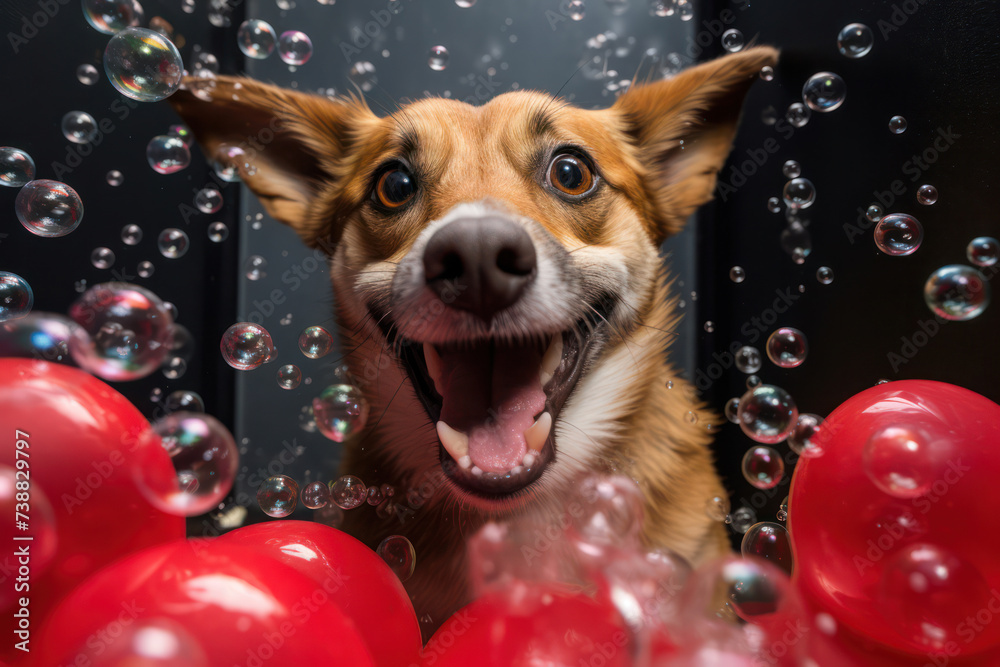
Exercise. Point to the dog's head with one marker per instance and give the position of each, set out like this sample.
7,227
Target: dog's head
504,254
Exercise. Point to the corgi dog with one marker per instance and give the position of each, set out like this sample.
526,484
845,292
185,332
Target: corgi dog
499,293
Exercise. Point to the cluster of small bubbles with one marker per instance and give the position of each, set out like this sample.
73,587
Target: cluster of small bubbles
957,292
348,492
294,47
102,258
737,274
254,267
399,555
256,38
205,460
753,381
208,200
797,114
807,438
767,73
732,40
824,91
782,514
709,326
143,64
278,496
167,154
742,519
173,243
218,232
79,127
769,541
763,467
341,410
899,234
786,347
111,16
289,376
437,59
927,195
767,414
732,410
855,40
791,169
824,275
115,178
131,234
897,125
174,367
576,10
874,213
145,268
87,74
362,74
315,342
748,359
184,400
16,167
48,208
246,346
799,193
315,495
16,297
774,205
374,496
685,10
717,508
983,251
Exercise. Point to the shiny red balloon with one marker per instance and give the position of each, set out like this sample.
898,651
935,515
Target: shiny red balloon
891,526
80,439
233,605
352,576
531,624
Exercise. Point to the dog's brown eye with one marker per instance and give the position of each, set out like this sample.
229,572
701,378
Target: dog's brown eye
570,174
395,187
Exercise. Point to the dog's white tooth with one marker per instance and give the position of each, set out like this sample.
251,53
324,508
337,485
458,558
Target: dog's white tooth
433,360
550,362
455,442
529,459
465,462
539,432
477,471
516,470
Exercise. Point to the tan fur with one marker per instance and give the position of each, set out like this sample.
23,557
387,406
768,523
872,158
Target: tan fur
658,149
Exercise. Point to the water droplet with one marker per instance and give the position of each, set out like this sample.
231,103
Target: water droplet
732,40
399,555
897,125
438,58
143,64
767,414
737,274
294,47
786,347
315,495
898,234
278,496
173,243
167,154
927,195
791,169
246,346
748,359
16,297
256,38
957,292
763,467
799,193
824,275
340,411
797,114
315,342
807,438
348,492
218,232
289,377
48,208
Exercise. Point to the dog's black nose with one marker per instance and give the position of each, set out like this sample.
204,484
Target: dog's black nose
481,265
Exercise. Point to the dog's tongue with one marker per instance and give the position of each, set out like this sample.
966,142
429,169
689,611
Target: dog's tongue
491,393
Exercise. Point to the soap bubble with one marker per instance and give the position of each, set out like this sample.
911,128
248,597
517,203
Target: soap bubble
774,205
797,114
438,58
182,132
124,331
289,377
208,200
787,347
340,411
791,169
769,541
782,513
16,297
685,10
374,496
897,125
742,519
465,3
218,232
167,154
752,382
111,16
143,64
874,213
799,193
184,400
278,496
315,342
957,292
737,274
717,508
927,195
253,267
824,275
732,40
748,359
87,74
48,208
315,495
114,178
16,167
145,268
362,74
227,162
901,461
246,346
79,127
576,10
612,513
37,335
763,467
767,414
348,492
131,234
855,40
174,367
983,251
767,73
294,47
173,243
807,438
726,591
399,555
102,258
256,38
899,234
204,64
732,410
824,91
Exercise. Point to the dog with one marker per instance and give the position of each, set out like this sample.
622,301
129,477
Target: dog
499,292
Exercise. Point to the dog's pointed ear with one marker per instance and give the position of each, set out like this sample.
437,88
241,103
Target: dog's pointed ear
683,128
288,146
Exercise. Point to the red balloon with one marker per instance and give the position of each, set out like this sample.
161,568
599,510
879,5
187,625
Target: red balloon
531,624
353,576
890,524
81,440
234,606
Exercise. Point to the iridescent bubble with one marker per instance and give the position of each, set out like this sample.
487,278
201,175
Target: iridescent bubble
399,555
824,275
145,268
438,58
732,410
16,297
289,377
115,178
48,208
901,461
807,438
786,347
717,508
173,243
725,592
362,74
774,205
748,359
87,74
742,519
576,10
254,267
797,114
16,167
294,47
315,495
143,64
791,169
983,251
899,234
824,91
131,234
315,342
167,154
927,195
37,335
348,492
769,541
855,40
874,213
256,38
737,274
246,346
208,200
897,125
102,258
763,467
799,192
111,16
184,400
767,414
218,232
957,292
767,73
278,496
340,411
79,127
